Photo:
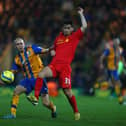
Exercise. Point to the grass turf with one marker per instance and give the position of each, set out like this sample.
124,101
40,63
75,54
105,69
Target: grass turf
94,112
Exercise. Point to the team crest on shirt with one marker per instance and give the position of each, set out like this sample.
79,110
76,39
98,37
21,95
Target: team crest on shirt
67,40
60,41
28,52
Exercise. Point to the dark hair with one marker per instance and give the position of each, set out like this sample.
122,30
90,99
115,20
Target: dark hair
67,21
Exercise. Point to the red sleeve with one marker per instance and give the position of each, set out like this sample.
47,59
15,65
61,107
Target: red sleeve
79,34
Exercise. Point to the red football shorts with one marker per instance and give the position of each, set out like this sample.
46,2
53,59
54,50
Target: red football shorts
63,71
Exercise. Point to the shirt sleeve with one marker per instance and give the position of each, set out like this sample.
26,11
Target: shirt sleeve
37,49
15,66
106,52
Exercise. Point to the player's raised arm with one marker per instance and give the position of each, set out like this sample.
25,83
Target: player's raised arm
83,20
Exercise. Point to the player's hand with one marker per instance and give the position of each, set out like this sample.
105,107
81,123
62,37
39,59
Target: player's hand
52,52
45,50
25,62
51,48
80,10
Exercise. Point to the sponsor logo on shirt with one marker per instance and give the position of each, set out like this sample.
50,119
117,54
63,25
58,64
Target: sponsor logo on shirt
60,41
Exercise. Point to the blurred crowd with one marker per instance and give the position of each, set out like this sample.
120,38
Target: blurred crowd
39,21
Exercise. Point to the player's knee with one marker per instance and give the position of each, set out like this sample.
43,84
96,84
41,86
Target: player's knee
19,91
45,103
41,75
68,93
45,99
46,72
16,92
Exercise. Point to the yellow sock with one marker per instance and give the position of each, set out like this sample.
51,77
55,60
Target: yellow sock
14,104
117,90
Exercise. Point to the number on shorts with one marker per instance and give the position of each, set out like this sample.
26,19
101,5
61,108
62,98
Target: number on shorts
67,80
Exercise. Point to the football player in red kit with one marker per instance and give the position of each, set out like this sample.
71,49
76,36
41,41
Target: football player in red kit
64,48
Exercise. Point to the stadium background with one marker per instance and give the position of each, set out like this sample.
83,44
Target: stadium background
39,21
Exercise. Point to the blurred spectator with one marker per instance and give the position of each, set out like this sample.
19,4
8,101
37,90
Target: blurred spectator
39,21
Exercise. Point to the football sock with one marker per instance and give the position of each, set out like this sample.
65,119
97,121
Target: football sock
117,90
38,86
73,103
14,104
118,93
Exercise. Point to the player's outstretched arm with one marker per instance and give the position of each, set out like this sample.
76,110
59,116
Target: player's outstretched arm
83,20
46,50
52,50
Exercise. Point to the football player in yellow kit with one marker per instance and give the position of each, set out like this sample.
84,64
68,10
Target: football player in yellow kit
28,61
112,55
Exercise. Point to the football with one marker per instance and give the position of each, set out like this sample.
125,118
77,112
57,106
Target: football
7,76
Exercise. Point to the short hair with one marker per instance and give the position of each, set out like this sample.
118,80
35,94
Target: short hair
18,39
67,22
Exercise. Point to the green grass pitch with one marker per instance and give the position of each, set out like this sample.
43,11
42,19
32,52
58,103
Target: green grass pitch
94,112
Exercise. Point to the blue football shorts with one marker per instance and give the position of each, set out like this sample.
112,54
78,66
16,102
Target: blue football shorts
29,84
112,74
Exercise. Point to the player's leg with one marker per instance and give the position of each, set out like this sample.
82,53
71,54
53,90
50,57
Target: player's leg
46,101
30,86
65,82
46,72
49,104
15,99
18,90
117,86
42,90
72,100
32,99
109,80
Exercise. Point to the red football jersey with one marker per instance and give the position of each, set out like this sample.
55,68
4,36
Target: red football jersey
65,47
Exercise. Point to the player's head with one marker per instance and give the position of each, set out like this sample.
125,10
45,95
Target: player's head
20,45
67,28
116,42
